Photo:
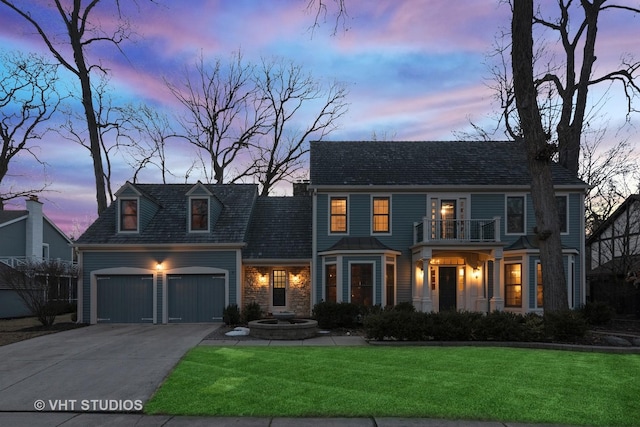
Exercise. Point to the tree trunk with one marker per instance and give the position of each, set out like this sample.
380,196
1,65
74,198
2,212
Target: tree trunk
87,102
539,154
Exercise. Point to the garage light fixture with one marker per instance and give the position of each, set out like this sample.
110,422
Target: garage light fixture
159,266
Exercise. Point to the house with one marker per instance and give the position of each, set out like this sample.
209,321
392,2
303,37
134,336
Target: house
444,225
25,236
613,255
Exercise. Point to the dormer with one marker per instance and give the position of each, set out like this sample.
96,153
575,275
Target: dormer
134,209
203,209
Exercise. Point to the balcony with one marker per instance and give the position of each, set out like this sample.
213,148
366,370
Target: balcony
443,231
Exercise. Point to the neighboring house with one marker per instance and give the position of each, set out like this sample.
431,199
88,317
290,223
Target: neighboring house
444,225
613,254
27,236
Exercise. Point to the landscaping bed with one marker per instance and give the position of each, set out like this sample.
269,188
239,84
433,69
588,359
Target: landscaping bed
14,330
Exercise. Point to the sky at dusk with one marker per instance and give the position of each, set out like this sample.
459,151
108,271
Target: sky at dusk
415,70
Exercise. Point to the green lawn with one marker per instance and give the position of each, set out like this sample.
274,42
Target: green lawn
502,384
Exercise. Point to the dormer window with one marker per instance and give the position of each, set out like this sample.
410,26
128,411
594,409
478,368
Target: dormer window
129,215
199,214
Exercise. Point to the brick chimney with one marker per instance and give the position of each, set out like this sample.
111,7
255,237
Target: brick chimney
35,227
301,188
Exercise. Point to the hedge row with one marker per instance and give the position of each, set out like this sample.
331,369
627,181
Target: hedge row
473,326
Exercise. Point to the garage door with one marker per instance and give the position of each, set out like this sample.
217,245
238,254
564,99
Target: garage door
195,298
125,299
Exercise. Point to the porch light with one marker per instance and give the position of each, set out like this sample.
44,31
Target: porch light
476,273
159,266
461,273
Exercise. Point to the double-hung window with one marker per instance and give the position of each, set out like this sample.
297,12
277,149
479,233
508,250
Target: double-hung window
338,215
513,285
381,215
129,215
199,215
515,215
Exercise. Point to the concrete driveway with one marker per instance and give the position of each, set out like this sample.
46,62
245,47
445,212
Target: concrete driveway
90,368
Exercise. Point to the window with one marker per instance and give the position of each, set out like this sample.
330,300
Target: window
539,299
362,284
279,281
331,283
128,215
391,273
515,214
381,215
513,285
561,202
338,215
199,214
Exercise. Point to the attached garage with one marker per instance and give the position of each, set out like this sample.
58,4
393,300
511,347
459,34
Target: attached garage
195,298
125,299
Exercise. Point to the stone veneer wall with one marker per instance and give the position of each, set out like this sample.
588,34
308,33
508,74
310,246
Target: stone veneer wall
257,287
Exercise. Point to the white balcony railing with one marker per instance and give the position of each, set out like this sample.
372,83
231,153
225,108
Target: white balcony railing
456,230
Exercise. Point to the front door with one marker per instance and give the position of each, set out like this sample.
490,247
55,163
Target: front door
447,288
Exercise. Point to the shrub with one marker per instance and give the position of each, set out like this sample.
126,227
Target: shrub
231,315
331,315
502,326
397,325
456,326
405,306
597,313
252,311
564,325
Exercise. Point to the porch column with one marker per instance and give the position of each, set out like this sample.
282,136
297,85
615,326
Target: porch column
497,302
426,303
481,299
422,286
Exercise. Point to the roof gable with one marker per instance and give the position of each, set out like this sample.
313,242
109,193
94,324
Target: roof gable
425,163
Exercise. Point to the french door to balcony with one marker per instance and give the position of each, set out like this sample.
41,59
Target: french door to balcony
448,227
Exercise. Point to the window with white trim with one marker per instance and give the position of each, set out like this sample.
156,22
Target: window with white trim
515,214
199,214
338,215
128,215
381,215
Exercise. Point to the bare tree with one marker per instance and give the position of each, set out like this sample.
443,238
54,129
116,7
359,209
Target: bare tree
80,33
539,157
109,122
223,114
28,99
567,91
39,284
611,174
299,109
148,132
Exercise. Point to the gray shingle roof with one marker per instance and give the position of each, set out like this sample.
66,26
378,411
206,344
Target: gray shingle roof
280,228
169,225
7,216
358,244
426,163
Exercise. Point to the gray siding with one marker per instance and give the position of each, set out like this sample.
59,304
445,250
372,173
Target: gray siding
59,247
13,242
147,211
